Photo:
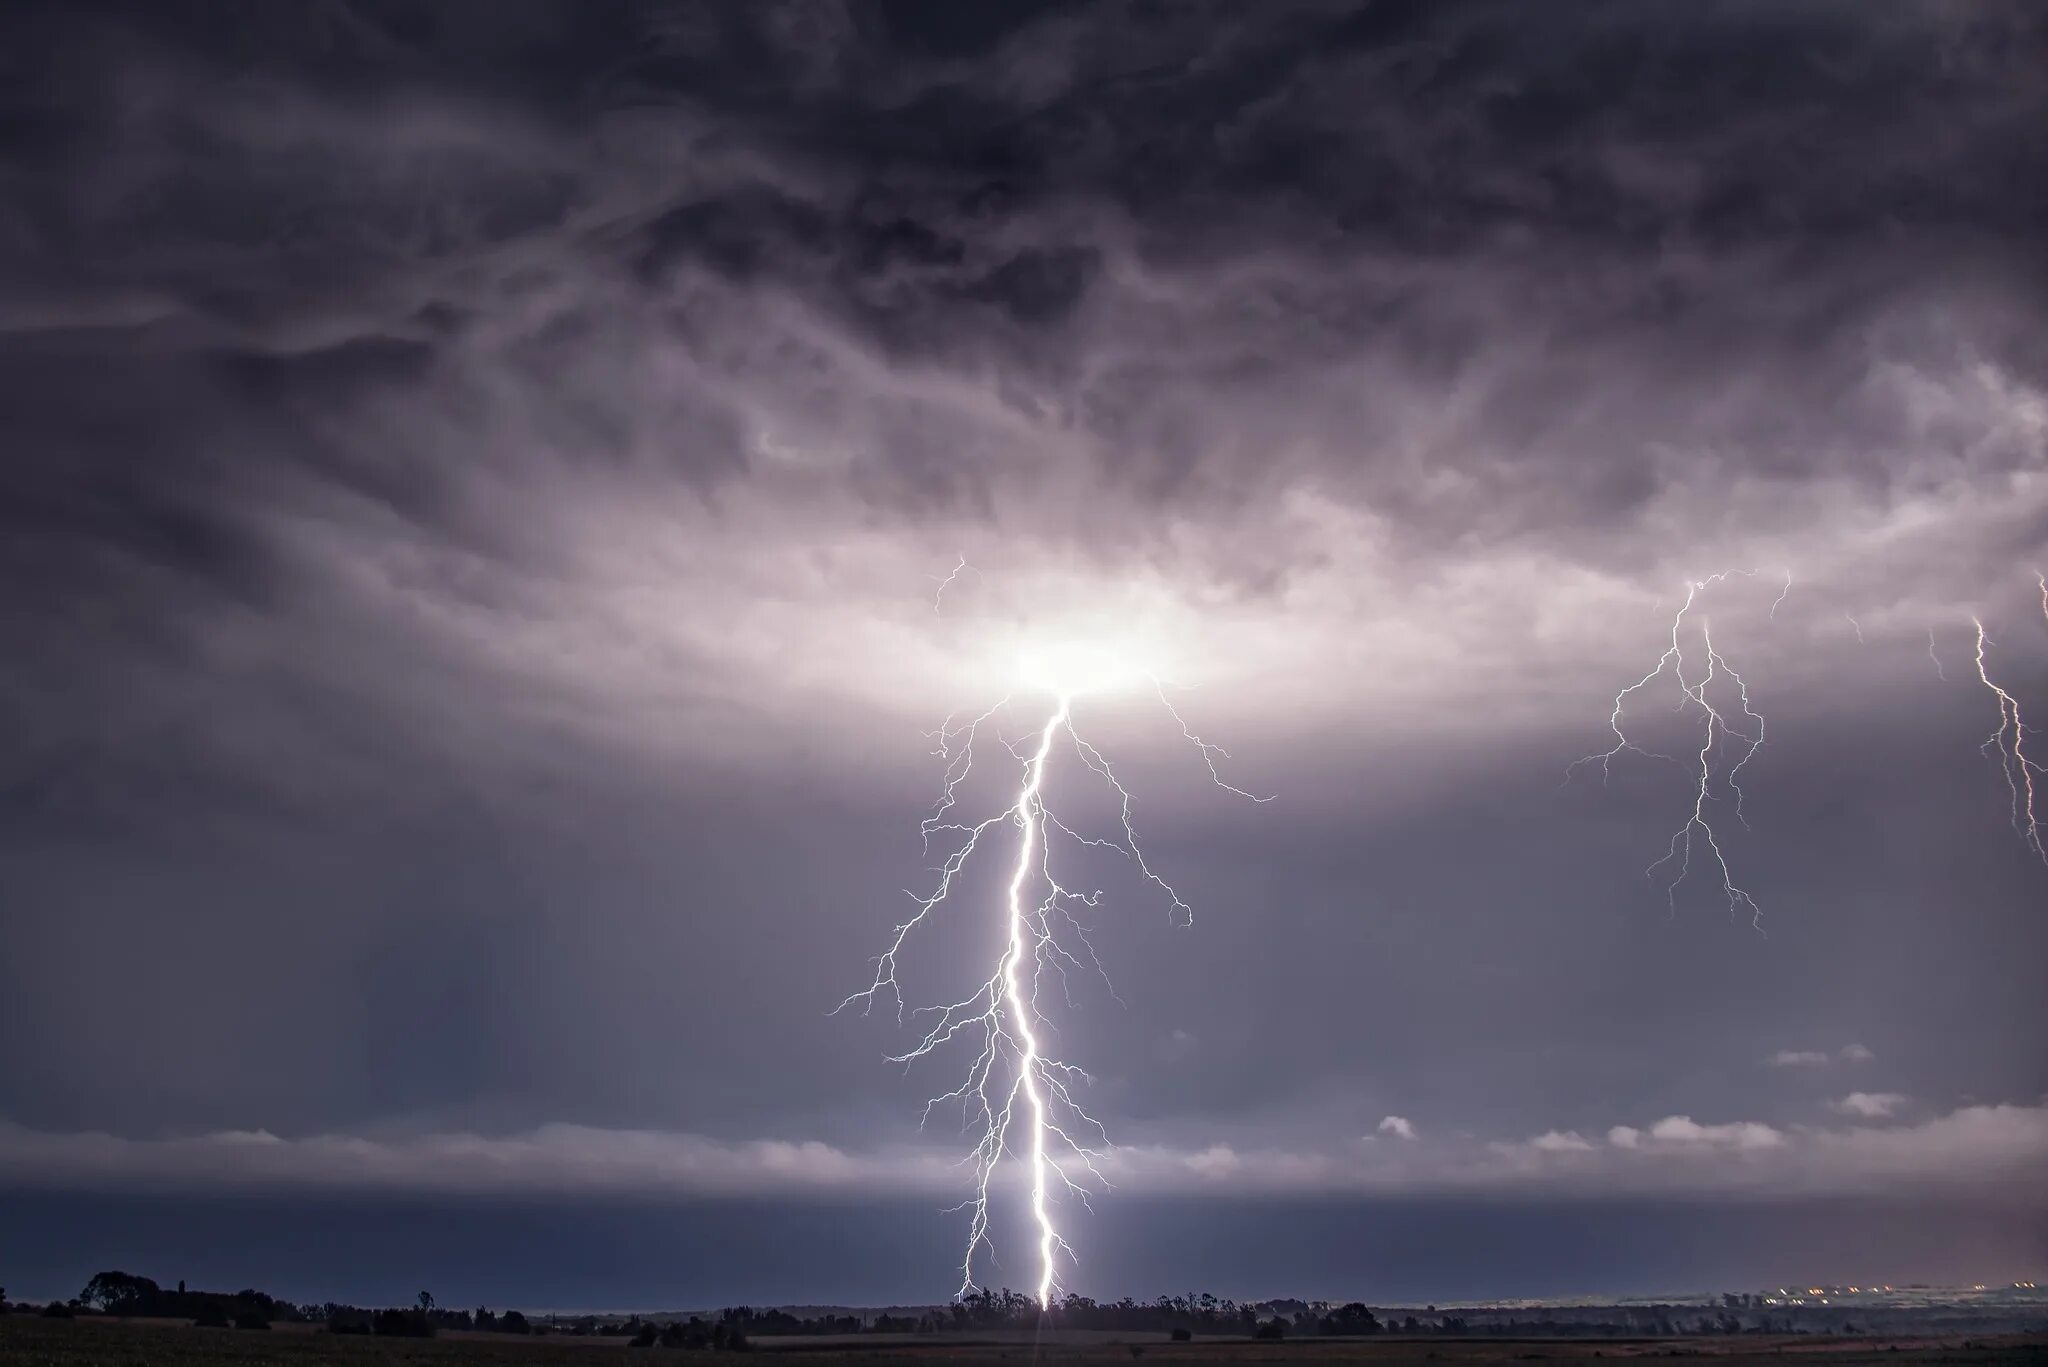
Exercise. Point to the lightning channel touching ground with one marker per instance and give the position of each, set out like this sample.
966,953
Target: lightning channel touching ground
1013,1084
2009,741
1731,736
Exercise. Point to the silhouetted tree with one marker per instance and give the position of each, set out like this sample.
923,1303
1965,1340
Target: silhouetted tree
1354,1318
120,1293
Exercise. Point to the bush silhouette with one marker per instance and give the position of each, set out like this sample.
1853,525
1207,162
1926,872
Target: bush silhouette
210,1317
1183,1335
407,1324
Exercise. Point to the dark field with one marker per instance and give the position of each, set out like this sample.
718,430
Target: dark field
36,1342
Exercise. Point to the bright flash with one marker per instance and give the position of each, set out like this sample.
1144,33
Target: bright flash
1017,1100
1073,669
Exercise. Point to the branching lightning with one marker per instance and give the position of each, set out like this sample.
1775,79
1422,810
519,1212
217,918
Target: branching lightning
1736,732
1017,1099
2009,741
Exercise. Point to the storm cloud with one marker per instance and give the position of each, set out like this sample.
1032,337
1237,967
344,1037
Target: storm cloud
480,478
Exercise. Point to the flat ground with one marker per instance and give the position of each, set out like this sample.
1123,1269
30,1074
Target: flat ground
36,1342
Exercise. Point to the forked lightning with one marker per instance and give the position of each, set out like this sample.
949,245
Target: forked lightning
1012,1081
2009,742
1739,733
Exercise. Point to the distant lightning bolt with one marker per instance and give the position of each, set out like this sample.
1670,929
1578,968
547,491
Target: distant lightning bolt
1012,1081
939,593
1721,735
2010,741
1856,625
1939,672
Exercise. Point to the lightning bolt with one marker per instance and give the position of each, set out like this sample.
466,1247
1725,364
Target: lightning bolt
1939,672
1738,732
2010,741
1856,626
939,593
1012,1081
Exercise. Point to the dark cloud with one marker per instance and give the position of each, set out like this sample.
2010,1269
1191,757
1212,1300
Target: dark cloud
478,475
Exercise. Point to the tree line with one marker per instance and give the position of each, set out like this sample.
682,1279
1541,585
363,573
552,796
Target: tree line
129,1295
984,1309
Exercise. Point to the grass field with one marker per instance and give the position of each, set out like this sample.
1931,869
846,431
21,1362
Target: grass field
35,1342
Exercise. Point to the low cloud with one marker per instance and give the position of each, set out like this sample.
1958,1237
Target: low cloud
1982,1150
1819,1058
1870,1105
1561,1141
1683,1130
1397,1126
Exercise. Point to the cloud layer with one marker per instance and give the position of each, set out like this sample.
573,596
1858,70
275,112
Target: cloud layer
1971,1153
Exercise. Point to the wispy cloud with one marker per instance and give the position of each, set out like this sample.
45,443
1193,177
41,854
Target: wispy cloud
1819,1058
1870,1105
1561,1141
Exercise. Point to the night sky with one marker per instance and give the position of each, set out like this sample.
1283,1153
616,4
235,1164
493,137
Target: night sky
478,482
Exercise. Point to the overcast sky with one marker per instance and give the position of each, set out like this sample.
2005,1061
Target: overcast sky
479,483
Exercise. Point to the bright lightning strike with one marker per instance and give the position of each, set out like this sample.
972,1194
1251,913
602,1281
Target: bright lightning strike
1736,732
2010,742
1013,1084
